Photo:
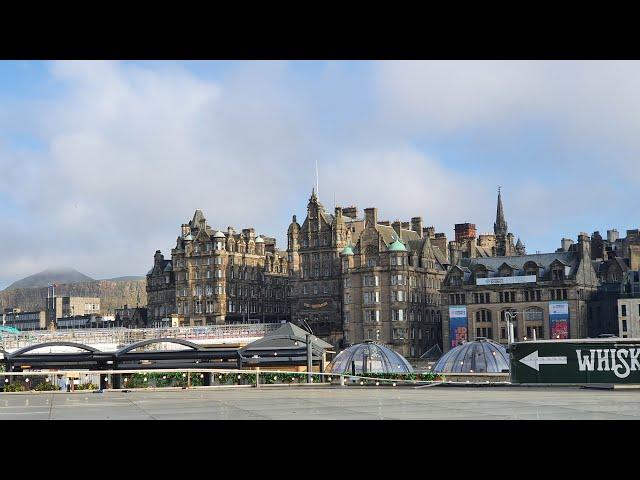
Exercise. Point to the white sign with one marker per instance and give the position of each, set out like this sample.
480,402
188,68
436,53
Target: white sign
506,280
558,308
458,312
620,361
534,361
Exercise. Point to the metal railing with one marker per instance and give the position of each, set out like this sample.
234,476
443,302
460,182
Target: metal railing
104,380
126,336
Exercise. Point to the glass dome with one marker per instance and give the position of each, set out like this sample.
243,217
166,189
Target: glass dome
480,356
374,357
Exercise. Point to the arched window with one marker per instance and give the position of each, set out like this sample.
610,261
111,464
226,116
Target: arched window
483,315
533,314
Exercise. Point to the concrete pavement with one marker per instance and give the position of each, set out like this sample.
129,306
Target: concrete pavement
368,403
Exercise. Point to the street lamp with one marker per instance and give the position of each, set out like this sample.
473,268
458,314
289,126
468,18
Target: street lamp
509,316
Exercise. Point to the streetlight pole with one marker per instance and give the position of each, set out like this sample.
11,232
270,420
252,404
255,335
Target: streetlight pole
508,315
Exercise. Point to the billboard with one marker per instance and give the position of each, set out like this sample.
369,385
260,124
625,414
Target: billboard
506,280
606,361
457,325
559,319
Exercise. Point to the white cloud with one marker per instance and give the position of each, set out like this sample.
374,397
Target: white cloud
132,152
403,183
587,104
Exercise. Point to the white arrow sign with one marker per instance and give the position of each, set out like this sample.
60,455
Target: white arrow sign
534,361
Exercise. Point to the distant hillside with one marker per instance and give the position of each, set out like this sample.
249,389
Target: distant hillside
113,294
127,278
50,276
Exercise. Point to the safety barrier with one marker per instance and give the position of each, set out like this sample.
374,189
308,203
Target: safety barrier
70,381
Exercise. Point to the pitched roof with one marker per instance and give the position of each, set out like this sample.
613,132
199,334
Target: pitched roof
286,336
570,259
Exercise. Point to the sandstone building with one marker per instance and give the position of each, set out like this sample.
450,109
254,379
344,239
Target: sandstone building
548,293
161,292
354,279
227,277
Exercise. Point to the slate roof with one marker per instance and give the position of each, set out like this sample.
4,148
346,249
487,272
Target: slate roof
285,337
570,259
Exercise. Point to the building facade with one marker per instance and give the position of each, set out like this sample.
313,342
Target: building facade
228,277
137,317
313,250
161,291
629,317
16,318
390,284
543,293
61,307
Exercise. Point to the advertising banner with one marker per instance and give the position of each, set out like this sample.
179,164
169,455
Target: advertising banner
506,280
457,325
559,319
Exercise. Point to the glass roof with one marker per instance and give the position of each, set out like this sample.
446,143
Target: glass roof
479,356
369,357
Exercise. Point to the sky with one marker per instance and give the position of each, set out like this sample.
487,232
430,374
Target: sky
101,161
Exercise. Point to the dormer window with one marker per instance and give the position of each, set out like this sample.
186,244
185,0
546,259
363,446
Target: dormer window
530,268
557,274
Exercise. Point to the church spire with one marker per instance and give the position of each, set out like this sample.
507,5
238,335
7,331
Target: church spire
500,227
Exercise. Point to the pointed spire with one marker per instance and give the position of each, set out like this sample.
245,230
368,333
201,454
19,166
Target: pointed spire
500,227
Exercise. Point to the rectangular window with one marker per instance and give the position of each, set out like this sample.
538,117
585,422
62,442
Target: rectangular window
624,310
624,325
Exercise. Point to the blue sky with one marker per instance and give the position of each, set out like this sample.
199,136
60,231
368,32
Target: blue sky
102,161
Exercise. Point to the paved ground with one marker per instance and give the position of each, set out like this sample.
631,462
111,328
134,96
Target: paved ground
329,403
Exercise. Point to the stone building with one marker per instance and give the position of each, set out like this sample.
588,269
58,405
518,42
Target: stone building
548,293
390,278
161,291
498,244
345,286
228,277
136,317
629,317
314,266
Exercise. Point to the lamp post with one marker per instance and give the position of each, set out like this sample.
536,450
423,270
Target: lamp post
509,315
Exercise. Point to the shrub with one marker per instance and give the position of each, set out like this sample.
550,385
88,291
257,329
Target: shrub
85,386
46,386
14,387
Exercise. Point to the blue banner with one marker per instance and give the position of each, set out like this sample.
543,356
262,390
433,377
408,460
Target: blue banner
457,325
559,320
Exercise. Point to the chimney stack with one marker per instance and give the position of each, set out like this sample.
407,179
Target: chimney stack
416,225
370,217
